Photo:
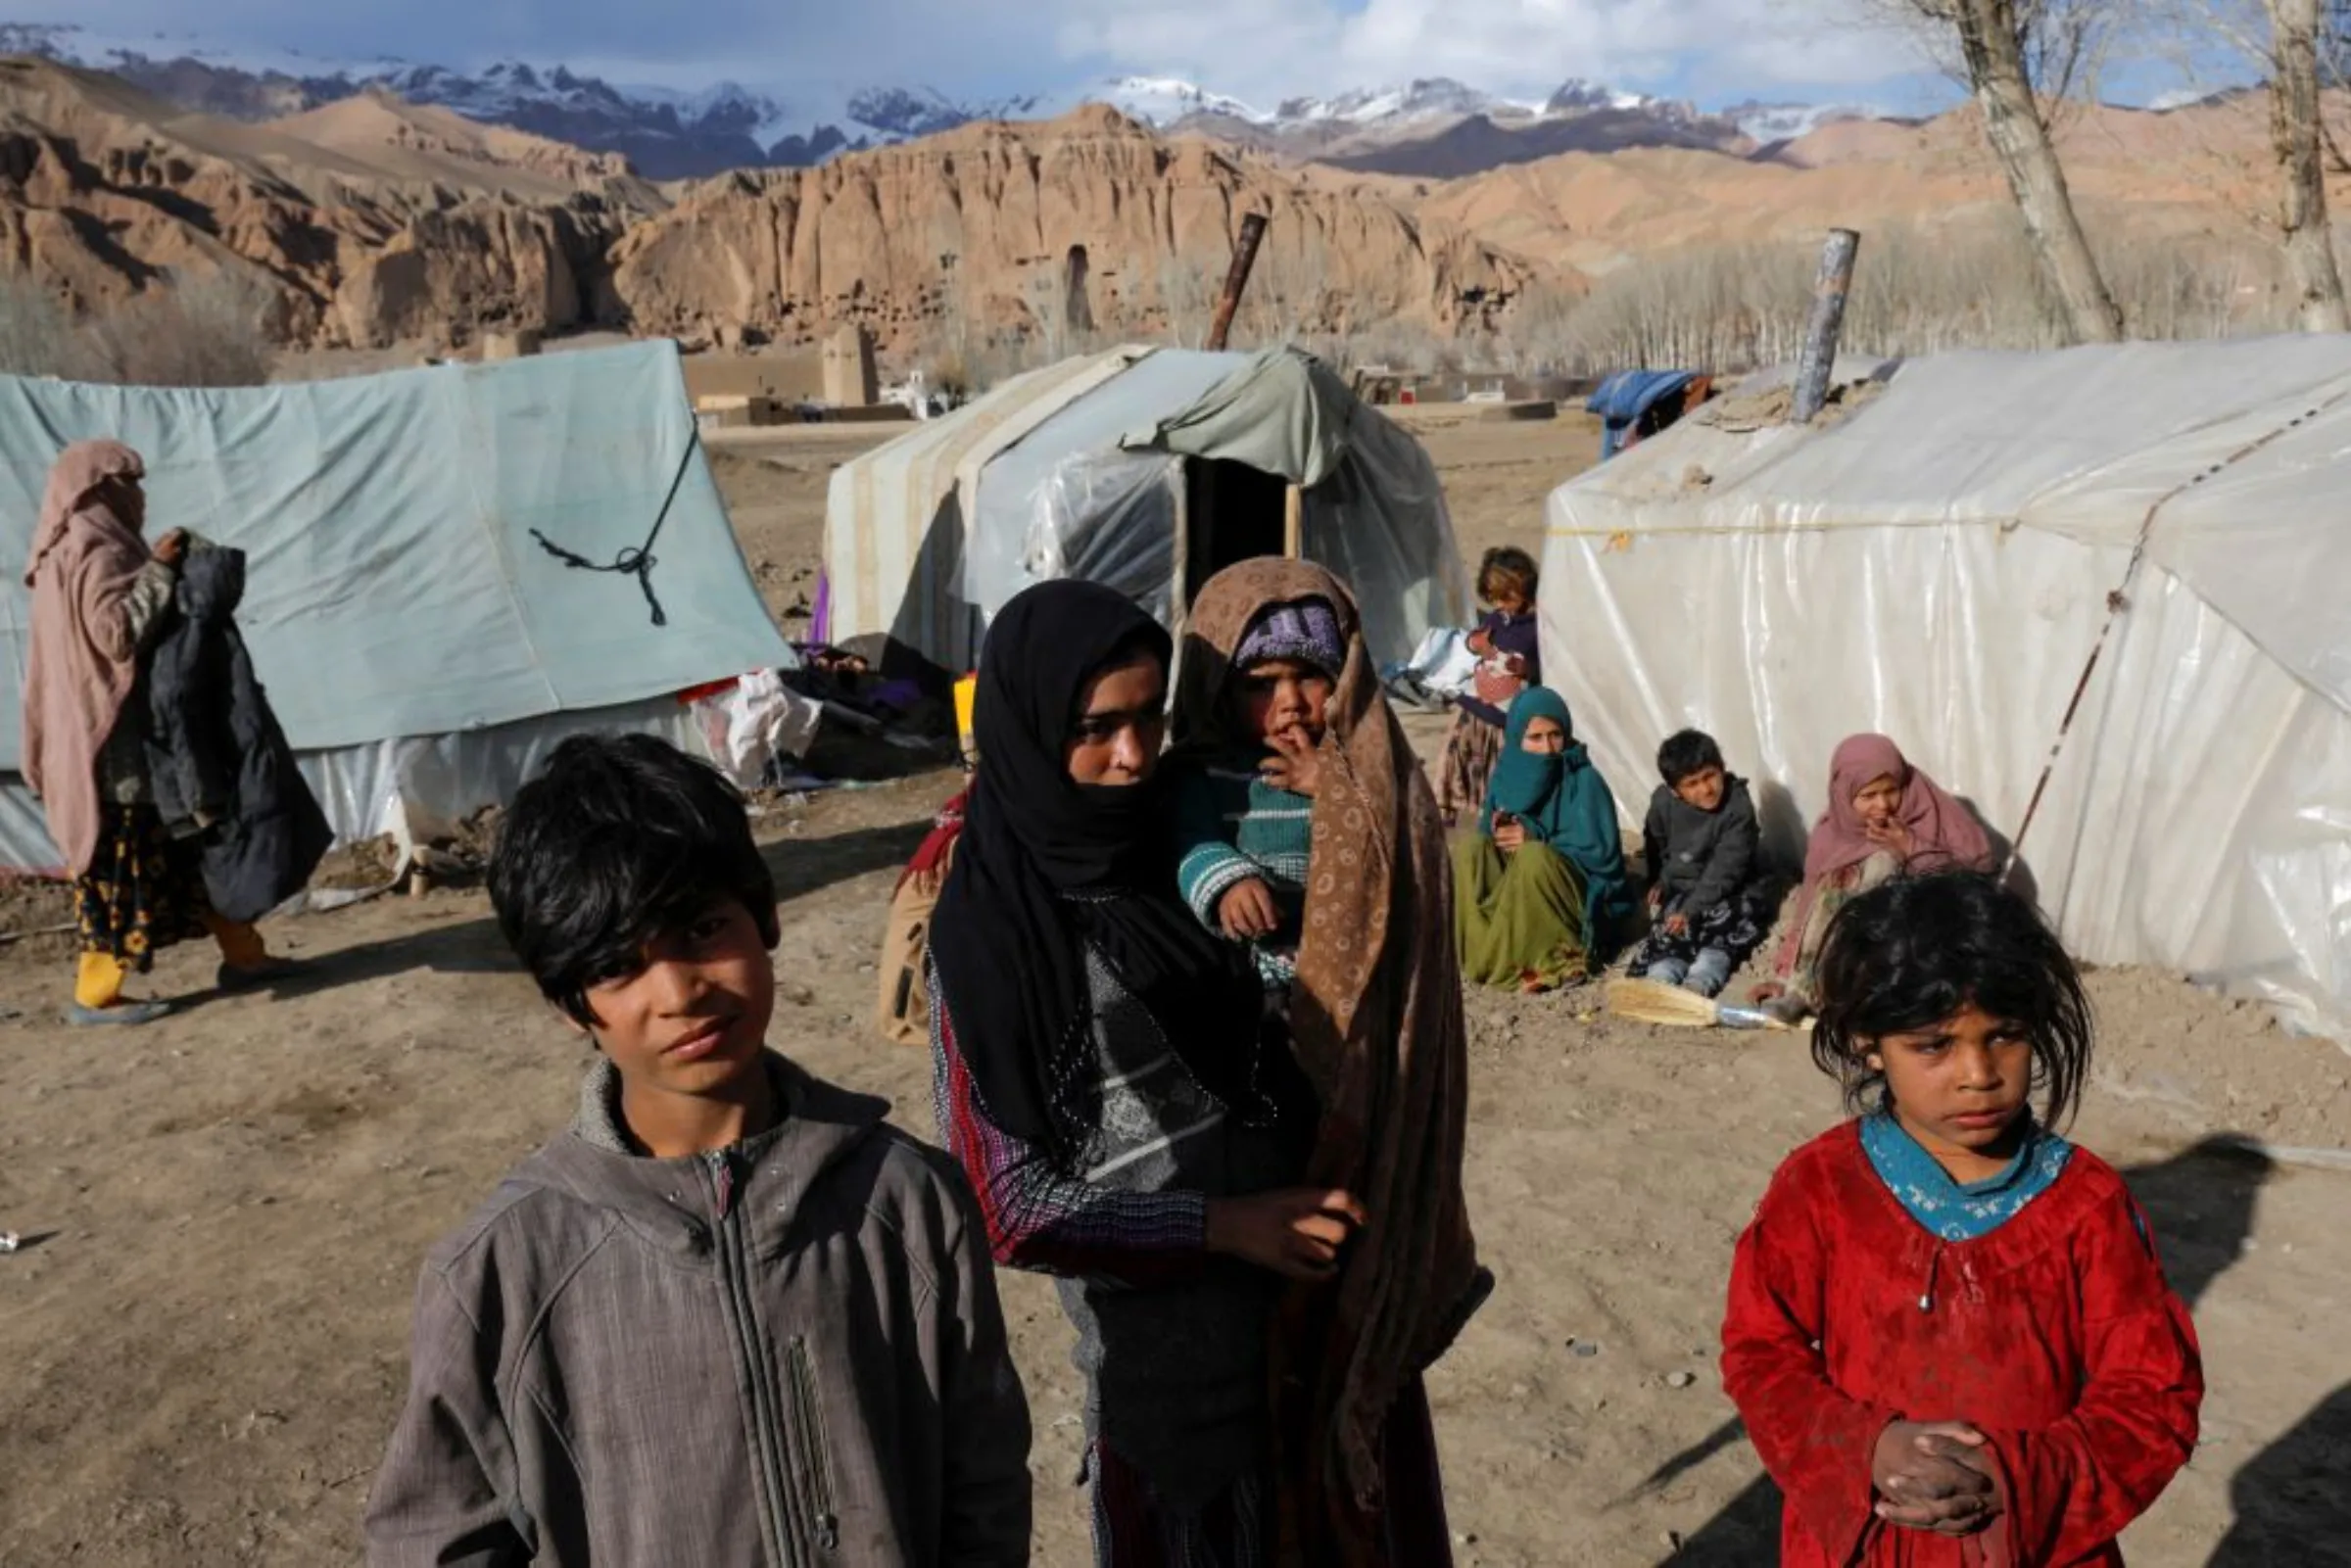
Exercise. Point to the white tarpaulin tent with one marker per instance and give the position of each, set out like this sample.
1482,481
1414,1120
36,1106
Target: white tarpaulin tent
1938,567
1089,468
421,645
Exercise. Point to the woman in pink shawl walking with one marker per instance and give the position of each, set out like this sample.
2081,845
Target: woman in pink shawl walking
100,594
1885,817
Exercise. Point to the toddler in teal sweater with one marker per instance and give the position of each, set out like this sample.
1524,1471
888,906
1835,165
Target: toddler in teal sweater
1243,818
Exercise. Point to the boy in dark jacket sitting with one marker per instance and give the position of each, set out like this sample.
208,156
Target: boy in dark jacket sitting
1706,877
730,1316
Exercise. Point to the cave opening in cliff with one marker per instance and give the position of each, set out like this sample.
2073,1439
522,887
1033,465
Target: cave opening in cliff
1078,311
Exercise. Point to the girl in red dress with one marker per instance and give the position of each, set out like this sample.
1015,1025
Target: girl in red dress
1948,1332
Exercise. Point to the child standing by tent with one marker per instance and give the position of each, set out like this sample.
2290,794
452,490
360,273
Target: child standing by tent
1511,656
730,1316
1703,851
1948,1331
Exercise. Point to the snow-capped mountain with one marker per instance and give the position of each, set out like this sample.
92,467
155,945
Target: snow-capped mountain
1767,123
1435,127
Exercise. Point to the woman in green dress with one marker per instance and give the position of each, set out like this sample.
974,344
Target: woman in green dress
1540,889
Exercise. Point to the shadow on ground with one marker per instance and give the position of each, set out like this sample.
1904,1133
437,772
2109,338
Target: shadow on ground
804,866
2202,1203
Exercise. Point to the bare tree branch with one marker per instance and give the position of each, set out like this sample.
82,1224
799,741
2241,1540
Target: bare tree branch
2021,60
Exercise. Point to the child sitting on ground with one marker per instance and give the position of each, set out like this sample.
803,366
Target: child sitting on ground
730,1316
1244,803
1702,848
1510,661
1948,1331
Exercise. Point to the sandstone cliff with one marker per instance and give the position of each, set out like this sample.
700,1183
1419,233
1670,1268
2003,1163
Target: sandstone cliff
405,230
1088,222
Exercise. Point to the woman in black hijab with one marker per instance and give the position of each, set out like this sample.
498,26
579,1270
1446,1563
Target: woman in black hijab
1110,1078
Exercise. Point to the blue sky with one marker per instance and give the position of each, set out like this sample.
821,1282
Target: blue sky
1713,51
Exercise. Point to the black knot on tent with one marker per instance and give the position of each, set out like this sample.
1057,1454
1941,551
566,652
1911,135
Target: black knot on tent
638,560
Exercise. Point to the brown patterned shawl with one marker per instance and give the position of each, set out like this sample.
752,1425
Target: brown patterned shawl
83,663
1377,1017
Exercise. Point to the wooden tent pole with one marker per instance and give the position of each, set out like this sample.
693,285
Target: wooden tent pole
1293,523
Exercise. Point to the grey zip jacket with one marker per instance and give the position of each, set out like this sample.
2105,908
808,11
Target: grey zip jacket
786,1353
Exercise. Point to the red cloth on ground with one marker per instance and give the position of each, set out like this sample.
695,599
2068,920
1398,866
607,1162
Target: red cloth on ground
2055,1336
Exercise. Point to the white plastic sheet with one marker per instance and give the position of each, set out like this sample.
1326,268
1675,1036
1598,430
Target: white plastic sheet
1938,568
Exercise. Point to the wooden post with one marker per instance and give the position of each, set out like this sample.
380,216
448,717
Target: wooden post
1829,291
1244,256
1179,592
1293,523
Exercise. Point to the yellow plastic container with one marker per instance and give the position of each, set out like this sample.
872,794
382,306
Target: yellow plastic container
966,691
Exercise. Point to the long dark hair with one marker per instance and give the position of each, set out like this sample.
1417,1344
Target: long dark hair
1913,952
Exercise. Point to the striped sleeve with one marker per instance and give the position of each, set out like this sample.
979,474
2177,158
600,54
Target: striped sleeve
1209,867
1041,1217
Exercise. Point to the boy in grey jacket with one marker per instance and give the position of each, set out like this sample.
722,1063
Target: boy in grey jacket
1707,883
730,1317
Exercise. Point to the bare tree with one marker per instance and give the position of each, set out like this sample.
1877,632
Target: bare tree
2297,140
2021,60
1047,296
210,330
1187,298
2297,46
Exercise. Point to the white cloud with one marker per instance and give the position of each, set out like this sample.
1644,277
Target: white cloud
1250,48
1528,46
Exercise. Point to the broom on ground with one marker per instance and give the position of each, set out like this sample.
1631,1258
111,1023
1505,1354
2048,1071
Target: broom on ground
1656,1002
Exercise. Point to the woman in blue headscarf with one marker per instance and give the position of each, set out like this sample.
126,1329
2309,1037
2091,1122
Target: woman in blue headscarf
1540,887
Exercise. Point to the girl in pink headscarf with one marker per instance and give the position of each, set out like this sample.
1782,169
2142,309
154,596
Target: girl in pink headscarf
1883,817
100,594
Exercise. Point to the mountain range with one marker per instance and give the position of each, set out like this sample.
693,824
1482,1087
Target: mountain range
1433,128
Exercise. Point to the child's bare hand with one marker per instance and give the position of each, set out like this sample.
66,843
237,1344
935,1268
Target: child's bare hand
1296,1232
1656,899
1891,835
1932,1475
1510,835
1247,911
1296,765
1479,643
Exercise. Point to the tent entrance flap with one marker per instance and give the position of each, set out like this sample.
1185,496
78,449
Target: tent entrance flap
1233,513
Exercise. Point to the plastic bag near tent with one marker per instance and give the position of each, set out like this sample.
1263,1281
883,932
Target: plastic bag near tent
1941,565
754,723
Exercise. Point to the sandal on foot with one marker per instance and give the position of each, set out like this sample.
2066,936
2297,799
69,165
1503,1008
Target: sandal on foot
118,1014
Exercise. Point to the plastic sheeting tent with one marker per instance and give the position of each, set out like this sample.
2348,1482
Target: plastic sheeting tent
1938,567
419,646
1084,469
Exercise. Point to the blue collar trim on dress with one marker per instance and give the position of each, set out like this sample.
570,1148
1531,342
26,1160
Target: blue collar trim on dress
1960,1211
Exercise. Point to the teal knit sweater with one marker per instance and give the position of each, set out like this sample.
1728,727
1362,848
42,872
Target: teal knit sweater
1232,826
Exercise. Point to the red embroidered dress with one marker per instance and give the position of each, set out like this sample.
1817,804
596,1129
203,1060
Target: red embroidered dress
2054,1334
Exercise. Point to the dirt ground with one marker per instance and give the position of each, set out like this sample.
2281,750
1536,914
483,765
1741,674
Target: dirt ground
204,1341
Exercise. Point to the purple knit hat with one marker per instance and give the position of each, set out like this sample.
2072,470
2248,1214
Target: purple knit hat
1307,630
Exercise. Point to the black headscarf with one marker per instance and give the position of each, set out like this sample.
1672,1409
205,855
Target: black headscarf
1046,864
